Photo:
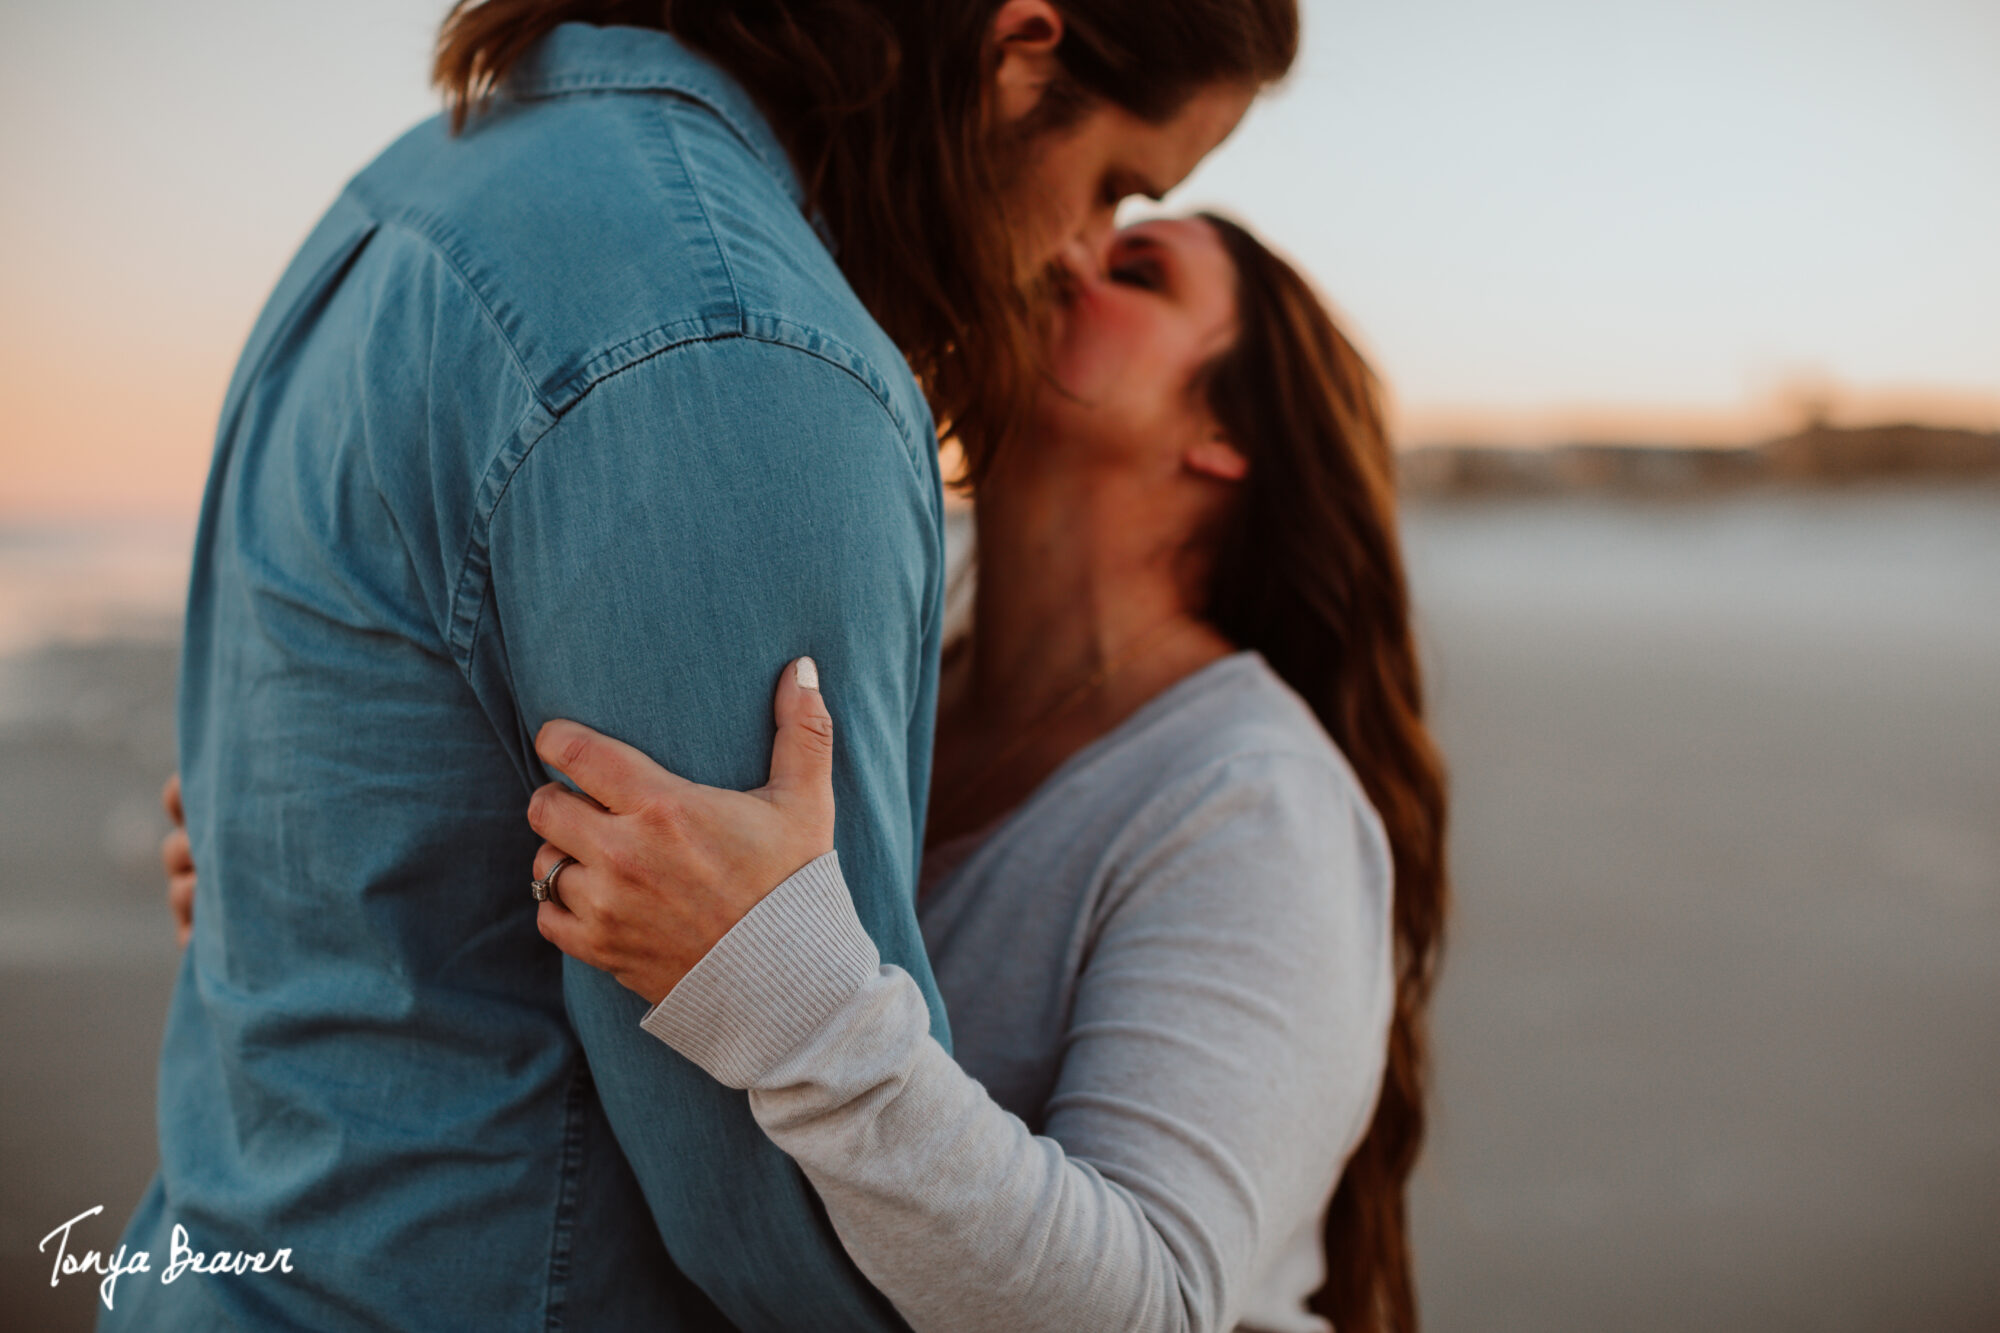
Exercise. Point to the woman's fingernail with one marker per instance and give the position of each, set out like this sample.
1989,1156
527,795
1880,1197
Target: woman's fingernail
808,674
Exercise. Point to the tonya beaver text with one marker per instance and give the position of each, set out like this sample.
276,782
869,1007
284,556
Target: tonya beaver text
181,1258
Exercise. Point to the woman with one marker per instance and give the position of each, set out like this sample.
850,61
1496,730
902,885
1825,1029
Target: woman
1178,757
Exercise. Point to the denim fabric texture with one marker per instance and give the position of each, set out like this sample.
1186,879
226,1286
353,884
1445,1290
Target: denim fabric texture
571,415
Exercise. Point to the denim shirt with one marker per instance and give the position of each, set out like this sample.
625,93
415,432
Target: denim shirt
571,415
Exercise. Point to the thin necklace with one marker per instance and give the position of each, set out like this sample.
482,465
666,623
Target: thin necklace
1096,680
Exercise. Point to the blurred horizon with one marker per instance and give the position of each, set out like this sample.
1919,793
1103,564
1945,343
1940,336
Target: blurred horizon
1701,223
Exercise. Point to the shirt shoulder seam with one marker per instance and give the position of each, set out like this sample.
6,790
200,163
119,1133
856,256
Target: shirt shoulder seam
465,611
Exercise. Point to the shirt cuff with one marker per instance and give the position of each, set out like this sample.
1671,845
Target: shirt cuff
772,981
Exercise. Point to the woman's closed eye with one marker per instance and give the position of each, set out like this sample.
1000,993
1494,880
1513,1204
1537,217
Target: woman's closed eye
1145,272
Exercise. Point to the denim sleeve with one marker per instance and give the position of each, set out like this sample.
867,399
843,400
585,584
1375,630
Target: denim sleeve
691,525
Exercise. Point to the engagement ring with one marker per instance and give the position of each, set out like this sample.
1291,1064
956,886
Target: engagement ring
544,889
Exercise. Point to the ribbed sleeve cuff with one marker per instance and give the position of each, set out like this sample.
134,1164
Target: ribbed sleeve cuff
772,981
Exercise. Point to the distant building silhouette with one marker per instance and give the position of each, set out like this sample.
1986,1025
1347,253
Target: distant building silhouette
1821,454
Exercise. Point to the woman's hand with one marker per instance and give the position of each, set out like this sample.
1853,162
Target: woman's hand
663,867
177,857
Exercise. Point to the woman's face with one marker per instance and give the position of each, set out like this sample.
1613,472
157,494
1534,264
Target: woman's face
1127,346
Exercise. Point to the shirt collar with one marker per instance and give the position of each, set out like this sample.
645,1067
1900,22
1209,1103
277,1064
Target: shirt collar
579,57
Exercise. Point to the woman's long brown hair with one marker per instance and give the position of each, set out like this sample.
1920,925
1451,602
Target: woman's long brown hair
880,104
1308,570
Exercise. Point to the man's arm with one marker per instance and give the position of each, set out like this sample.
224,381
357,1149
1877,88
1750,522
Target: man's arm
688,528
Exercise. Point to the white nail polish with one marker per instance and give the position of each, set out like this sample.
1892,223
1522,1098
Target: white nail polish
808,674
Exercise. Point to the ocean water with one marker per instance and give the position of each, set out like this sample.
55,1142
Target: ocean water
1714,1043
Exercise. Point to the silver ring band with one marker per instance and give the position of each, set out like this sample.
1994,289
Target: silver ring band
544,889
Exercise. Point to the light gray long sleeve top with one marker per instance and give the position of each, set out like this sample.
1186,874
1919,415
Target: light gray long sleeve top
1169,979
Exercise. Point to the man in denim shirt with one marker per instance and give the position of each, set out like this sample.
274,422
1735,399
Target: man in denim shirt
572,414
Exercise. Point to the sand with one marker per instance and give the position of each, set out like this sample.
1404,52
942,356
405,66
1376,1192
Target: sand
1715,1043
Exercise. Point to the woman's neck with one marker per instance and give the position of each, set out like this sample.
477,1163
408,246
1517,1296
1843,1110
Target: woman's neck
1066,584
1085,608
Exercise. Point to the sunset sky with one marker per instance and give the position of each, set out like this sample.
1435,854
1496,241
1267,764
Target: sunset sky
1672,219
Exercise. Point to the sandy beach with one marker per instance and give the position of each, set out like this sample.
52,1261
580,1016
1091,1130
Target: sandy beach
1715,1045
